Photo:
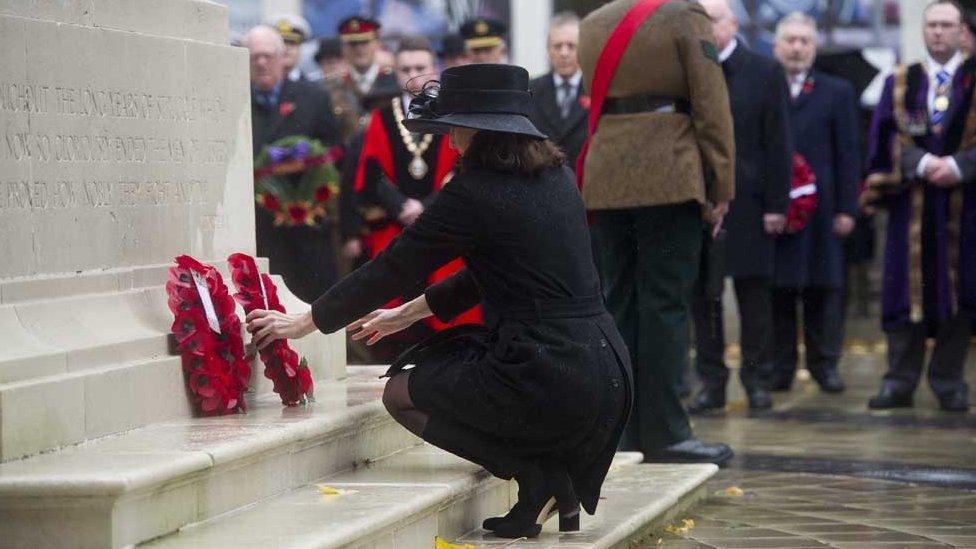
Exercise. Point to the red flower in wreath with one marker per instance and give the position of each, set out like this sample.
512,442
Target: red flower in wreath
300,213
323,193
286,108
269,202
584,101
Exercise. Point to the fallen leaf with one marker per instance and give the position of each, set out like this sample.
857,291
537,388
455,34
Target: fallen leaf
330,491
686,526
732,492
441,544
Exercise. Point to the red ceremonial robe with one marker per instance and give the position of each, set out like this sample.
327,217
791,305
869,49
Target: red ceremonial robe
383,177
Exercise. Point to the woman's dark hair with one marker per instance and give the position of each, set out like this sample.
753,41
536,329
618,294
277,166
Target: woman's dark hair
512,153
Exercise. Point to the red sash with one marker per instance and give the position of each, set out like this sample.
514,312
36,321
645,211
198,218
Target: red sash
606,66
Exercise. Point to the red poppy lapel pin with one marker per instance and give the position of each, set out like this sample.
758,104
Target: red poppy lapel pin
584,101
807,85
286,108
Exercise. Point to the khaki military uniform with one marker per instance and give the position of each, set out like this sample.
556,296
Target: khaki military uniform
647,158
345,108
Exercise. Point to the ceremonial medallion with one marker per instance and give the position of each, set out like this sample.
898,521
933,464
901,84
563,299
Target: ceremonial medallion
941,103
417,168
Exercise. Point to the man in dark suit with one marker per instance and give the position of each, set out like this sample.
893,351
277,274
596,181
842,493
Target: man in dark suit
810,262
760,110
560,110
282,108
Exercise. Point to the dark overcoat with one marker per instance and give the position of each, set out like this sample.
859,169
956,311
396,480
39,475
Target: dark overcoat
553,382
823,118
302,255
570,132
759,99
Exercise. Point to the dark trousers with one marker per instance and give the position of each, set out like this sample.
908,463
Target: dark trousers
906,353
755,317
648,260
823,330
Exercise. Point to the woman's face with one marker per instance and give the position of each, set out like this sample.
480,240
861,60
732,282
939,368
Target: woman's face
460,138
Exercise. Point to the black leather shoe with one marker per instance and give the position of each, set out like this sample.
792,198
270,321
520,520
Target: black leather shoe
534,508
759,399
831,382
707,399
889,398
956,401
691,451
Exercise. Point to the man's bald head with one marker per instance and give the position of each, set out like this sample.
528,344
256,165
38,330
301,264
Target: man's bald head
267,51
725,24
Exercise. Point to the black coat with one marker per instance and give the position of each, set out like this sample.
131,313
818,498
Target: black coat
568,133
303,256
759,98
547,385
824,123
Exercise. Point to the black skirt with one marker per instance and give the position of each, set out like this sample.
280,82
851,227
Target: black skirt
544,388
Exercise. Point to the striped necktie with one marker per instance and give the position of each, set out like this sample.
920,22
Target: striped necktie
941,104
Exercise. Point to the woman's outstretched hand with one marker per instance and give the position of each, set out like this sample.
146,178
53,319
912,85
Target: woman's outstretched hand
383,322
267,326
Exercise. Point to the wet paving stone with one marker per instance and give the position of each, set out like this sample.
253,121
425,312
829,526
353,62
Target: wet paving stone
822,470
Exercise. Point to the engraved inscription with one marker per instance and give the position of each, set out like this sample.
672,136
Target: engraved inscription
44,195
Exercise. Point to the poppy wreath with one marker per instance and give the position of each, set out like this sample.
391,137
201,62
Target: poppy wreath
295,178
213,362
803,195
291,377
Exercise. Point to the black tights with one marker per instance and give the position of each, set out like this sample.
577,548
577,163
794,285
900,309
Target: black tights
396,398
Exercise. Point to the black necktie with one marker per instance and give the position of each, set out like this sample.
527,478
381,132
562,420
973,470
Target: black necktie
567,102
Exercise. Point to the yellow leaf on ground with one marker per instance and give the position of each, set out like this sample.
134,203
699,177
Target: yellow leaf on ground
441,544
686,526
330,491
732,492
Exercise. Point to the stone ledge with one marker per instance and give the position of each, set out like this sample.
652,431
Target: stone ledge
145,483
407,499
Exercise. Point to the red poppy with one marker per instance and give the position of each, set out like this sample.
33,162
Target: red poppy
286,108
269,201
298,213
323,193
584,101
807,85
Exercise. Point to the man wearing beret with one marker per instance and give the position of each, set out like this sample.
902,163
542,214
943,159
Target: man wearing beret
660,160
484,40
360,47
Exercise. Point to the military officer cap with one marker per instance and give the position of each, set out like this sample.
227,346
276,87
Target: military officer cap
358,29
483,33
292,28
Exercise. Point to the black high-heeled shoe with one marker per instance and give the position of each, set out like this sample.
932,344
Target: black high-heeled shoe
538,502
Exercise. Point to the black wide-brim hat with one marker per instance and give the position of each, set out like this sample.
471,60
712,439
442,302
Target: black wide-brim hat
486,97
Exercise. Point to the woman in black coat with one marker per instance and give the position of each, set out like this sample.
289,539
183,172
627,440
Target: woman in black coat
542,392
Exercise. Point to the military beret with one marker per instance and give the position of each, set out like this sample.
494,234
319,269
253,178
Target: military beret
483,33
358,29
329,48
451,46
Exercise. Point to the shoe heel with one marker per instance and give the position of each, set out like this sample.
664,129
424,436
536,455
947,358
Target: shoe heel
569,522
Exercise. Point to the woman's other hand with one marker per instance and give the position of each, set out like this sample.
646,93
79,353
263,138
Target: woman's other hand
383,322
267,326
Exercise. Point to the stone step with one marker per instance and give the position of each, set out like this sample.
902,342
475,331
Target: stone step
404,501
144,483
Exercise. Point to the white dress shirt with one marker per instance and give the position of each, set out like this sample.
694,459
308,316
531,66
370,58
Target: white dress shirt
932,68
364,81
796,84
574,82
728,50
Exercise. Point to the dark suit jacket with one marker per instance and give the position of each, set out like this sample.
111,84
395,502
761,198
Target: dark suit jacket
824,123
302,255
568,133
759,98
311,116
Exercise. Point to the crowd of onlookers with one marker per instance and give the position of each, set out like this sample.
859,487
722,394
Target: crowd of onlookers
812,165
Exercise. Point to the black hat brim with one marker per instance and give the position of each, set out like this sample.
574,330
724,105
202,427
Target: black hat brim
504,123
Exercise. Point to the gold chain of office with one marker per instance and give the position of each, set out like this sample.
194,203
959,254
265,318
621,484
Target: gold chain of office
418,167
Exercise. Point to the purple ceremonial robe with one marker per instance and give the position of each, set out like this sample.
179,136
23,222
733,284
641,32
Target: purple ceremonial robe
930,250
